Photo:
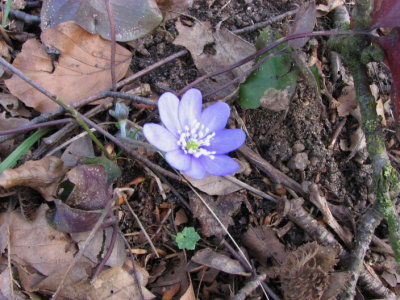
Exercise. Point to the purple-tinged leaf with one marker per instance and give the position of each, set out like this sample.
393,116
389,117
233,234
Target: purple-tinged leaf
91,190
67,219
132,18
386,13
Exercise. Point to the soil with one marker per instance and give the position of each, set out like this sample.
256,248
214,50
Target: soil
299,135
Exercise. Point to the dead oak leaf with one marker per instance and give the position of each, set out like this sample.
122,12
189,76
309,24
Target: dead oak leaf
37,244
82,69
224,208
213,51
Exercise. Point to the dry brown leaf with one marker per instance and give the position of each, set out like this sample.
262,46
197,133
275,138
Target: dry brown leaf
189,294
263,243
349,104
82,69
336,284
219,261
329,6
79,272
304,22
9,123
99,245
225,207
5,287
226,49
13,106
39,245
214,185
115,284
43,175
174,8
82,147
174,272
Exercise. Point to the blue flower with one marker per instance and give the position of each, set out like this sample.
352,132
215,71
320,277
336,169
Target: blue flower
195,140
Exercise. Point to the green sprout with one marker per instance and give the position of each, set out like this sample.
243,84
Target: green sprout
187,238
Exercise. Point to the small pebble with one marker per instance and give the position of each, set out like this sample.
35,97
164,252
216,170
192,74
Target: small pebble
299,161
298,147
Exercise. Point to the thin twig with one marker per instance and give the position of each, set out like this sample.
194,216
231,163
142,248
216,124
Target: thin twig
140,224
250,188
24,17
266,22
249,287
35,126
113,43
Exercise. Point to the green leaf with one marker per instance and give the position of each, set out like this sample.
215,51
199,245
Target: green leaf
274,76
187,239
20,151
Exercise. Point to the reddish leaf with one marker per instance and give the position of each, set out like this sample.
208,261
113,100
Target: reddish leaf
386,13
390,45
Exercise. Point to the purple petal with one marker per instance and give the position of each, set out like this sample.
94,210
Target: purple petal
227,140
221,165
196,169
160,137
190,107
178,159
215,116
168,105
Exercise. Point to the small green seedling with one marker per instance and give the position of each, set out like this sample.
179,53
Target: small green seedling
187,238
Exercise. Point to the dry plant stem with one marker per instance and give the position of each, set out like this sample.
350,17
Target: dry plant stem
249,288
268,48
266,22
40,125
250,188
336,134
248,268
134,271
113,42
274,174
143,229
100,95
365,230
78,256
8,222
24,17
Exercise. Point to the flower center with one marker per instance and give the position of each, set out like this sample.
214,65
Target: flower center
192,138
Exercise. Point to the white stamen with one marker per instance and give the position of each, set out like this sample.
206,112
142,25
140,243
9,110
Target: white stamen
199,135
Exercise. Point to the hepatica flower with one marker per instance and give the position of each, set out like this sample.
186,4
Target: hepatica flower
195,141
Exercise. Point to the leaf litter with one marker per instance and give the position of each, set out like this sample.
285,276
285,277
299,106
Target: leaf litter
280,250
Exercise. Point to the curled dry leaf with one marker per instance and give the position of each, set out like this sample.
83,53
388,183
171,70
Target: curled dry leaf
37,244
132,18
227,48
14,106
263,243
219,261
174,8
224,207
43,175
82,69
